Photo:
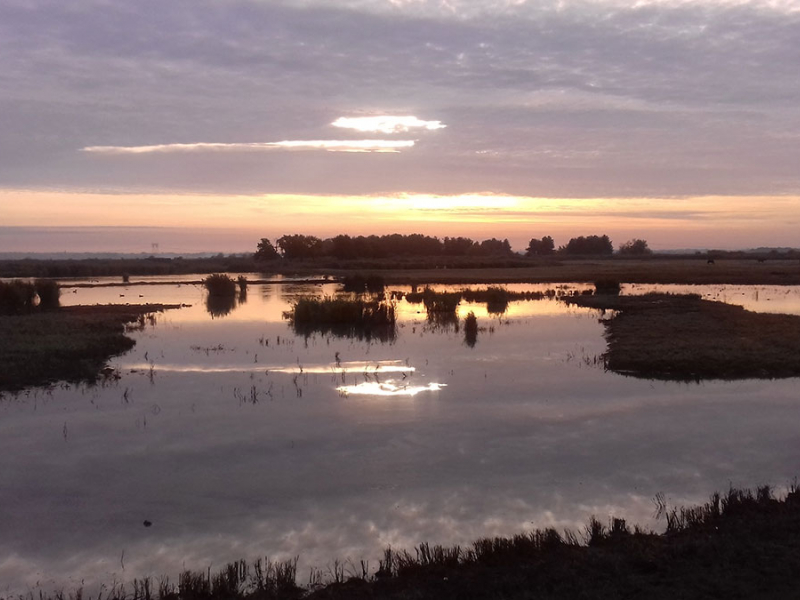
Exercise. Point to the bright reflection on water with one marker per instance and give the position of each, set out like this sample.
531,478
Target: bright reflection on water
238,439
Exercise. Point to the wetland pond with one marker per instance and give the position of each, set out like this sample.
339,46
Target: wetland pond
235,438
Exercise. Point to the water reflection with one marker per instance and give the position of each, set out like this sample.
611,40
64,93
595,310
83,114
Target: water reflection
220,306
390,387
227,459
471,330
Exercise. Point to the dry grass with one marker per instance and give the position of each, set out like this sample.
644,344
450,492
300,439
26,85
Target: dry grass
682,337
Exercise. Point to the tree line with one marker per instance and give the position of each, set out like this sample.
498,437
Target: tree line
297,246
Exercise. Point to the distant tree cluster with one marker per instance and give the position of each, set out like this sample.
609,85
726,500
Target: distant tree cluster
298,246
635,247
542,247
590,244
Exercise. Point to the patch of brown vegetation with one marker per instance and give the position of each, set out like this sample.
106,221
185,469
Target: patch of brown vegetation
683,337
70,344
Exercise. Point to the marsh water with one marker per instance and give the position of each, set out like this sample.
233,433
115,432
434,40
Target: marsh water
236,438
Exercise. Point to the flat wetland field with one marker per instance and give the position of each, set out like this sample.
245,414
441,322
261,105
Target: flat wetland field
664,269
643,270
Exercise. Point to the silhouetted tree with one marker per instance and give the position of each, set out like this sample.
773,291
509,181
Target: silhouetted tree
635,247
591,244
541,247
266,251
493,247
457,246
300,246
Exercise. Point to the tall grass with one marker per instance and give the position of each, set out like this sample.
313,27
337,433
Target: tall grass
360,318
219,284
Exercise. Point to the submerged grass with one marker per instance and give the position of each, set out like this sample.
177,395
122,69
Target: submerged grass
361,318
740,544
69,344
683,337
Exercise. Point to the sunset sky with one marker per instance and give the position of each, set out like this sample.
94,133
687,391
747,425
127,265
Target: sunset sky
205,125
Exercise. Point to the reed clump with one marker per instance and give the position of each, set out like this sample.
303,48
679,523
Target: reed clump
347,317
220,285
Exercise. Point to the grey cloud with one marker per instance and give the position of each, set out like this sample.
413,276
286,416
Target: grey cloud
592,99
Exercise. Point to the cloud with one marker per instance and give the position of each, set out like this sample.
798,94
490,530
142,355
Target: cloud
386,124
328,145
552,98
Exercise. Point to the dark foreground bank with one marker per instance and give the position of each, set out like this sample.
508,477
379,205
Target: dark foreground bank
741,544
69,344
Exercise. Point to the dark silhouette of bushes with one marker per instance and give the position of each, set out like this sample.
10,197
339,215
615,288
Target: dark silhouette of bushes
635,247
21,297
591,244
266,251
220,285
49,293
364,283
359,318
298,247
607,286
542,247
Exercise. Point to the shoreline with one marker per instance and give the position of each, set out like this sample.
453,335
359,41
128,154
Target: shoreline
741,543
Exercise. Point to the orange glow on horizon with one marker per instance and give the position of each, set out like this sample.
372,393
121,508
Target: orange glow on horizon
671,221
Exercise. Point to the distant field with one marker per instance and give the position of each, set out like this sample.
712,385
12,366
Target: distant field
686,271
655,269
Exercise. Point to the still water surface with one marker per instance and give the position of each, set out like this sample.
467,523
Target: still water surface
238,439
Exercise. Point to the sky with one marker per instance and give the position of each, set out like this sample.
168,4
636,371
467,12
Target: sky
206,125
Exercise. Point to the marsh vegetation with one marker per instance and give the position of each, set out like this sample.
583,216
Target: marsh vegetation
71,344
361,318
684,337
741,544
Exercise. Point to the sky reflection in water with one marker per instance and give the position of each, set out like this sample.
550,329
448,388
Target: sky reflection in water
238,439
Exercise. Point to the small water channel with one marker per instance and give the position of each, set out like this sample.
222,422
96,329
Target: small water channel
236,438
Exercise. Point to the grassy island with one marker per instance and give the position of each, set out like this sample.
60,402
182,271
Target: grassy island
69,344
683,337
